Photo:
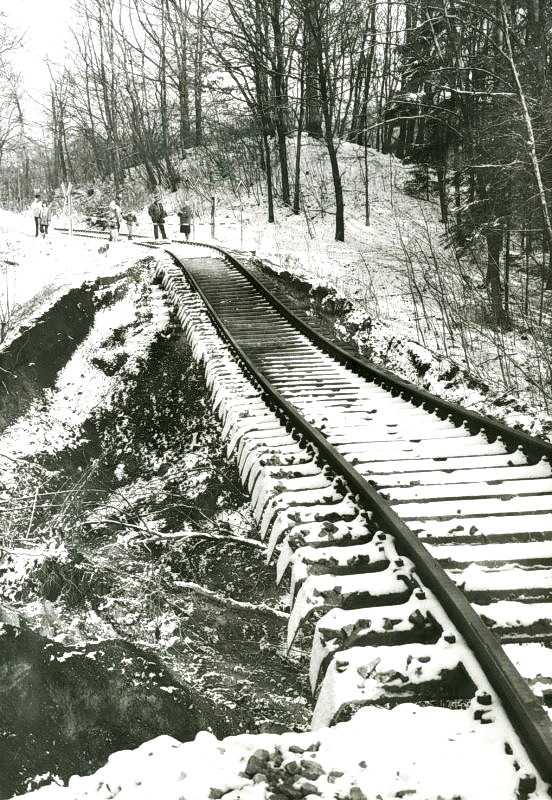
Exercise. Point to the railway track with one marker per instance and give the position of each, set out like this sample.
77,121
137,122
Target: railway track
417,535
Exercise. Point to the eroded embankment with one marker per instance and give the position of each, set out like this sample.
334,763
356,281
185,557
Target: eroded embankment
131,557
32,360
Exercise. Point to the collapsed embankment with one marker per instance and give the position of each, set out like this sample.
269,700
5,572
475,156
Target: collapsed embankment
143,603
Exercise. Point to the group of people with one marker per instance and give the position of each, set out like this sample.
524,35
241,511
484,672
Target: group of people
114,217
157,215
42,214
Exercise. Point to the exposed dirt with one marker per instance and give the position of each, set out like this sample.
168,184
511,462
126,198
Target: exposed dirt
65,711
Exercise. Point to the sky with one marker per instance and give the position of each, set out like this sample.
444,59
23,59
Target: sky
44,23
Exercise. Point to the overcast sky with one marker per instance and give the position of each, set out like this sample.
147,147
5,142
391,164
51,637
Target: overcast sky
45,23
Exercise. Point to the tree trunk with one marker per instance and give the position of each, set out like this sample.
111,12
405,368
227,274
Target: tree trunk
312,97
297,185
269,181
442,185
280,98
198,75
492,278
531,142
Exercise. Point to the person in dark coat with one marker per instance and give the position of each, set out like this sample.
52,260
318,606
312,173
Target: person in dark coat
157,215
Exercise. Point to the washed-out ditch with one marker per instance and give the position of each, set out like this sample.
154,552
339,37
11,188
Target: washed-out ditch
134,595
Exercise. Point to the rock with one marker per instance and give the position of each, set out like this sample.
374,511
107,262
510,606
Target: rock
356,793
257,762
311,769
215,794
292,767
334,775
9,616
314,747
260,777
290,791
306,787
295,748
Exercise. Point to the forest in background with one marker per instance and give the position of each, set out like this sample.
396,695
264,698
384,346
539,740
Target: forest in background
460,90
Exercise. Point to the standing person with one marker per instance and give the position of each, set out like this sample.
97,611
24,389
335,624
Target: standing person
131,220
157,214
185,216
36,205
44,217
114,217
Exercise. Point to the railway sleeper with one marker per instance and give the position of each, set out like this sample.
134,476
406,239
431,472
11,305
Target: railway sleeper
344,508
514,621
226,397
271,490
372,556
257,456
443,477
340,629
327,493
391,586
458,555
465,491
504,505
535,527
302,463
341,533
360,676
510,582
410,468
266,477
267,426
419,448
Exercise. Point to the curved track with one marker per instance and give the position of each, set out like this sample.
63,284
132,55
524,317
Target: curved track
411,526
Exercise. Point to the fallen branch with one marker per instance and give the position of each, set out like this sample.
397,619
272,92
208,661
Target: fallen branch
238,605
205,535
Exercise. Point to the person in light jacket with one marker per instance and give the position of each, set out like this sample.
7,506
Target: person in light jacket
157,214
131,220
185,217
114,218
44,218
36,205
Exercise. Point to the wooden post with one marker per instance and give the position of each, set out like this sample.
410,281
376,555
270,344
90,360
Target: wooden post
70,206
543,275
212,217
366,182
527,249
507,272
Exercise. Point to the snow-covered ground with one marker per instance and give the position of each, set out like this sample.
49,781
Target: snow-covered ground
378,754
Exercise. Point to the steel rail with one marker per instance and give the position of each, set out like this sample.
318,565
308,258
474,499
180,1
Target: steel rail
526,714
